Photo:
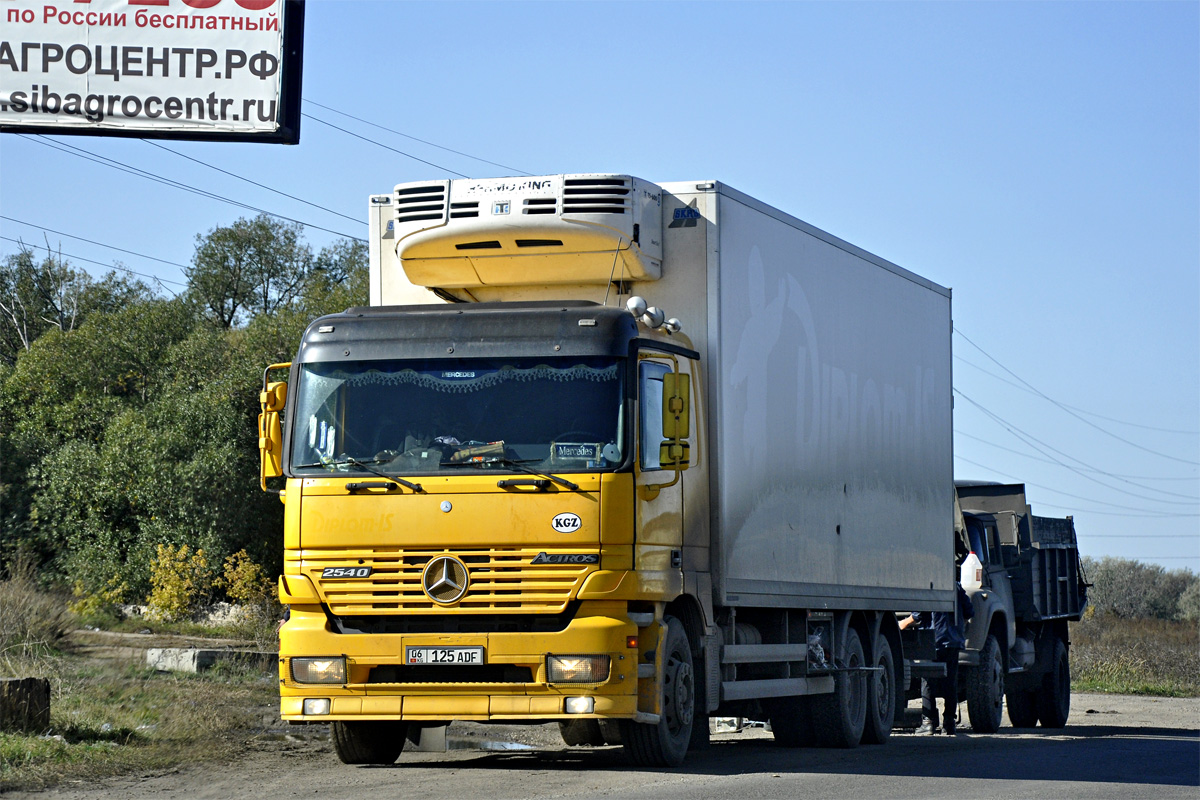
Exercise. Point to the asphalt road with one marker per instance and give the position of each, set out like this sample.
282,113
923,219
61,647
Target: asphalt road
1114,747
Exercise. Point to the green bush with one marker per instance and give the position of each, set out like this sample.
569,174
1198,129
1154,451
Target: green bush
181,583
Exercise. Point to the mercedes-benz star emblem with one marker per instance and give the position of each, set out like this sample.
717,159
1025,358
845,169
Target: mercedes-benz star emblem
445,580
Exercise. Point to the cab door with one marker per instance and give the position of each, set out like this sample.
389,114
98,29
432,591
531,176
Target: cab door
658,546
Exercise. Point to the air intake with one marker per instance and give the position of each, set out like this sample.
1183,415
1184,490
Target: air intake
596,195
417,203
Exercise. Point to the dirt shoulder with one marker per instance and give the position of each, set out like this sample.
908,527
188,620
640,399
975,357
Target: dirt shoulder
531,761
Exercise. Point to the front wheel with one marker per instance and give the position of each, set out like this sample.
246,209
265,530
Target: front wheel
369,742
1054,696
665,744
985,689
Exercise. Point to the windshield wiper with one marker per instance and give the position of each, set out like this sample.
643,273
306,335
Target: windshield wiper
416,487
518,465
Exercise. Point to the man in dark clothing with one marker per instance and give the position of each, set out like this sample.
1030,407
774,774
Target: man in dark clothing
948,641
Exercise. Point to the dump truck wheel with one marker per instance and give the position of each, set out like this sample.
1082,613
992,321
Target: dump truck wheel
1022,707
665,744
369,742
1054,696
839,718
985,689
881,694
791,721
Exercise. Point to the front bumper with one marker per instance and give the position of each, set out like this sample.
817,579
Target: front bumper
599,627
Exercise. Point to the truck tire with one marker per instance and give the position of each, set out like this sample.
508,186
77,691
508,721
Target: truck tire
1022,707
1054,696
791,721
369,742
839,718
881,694
665,744
985,689
576,732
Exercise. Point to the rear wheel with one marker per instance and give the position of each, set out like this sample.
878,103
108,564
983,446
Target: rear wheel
985,689
1022,707
791,721
665,744
1054,697
881,694
369,742
839,718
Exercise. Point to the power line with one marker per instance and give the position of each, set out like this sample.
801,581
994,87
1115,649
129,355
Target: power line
1145,512
154,278
1026,389
958,432
113,163
1068,410
414,138
1028,439
98,244
255,183
1140,535
384,146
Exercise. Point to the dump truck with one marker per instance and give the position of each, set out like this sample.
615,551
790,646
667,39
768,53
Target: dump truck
613,454
1017,652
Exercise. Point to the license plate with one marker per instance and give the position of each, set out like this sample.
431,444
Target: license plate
443,655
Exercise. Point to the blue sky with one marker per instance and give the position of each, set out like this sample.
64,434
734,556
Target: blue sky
1042,159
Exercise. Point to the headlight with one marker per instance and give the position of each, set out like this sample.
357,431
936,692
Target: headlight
577,669
319,670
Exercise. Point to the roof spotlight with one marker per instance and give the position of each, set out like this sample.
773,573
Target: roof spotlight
653,317
636,306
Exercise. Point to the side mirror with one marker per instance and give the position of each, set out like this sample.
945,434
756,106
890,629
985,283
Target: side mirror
270,431
675,453
676,402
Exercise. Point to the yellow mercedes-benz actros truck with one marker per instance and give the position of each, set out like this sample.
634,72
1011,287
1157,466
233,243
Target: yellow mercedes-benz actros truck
615,454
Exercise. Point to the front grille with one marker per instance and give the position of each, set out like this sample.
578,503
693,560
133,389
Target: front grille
457,623
450,673
501,580
596,196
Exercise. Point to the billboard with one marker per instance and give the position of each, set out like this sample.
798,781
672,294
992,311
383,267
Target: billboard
171,69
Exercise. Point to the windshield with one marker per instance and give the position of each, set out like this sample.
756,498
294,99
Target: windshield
413,417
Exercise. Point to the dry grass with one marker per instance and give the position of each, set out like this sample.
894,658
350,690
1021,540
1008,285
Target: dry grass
1141,656
109,717
32,621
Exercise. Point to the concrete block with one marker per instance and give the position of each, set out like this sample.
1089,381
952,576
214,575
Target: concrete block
195,659
432,740
24,704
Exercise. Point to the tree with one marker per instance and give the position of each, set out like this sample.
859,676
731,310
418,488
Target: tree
1133,590
39,296
65,392
250,267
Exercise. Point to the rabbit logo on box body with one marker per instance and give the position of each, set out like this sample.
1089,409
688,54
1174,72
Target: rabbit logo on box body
566,523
